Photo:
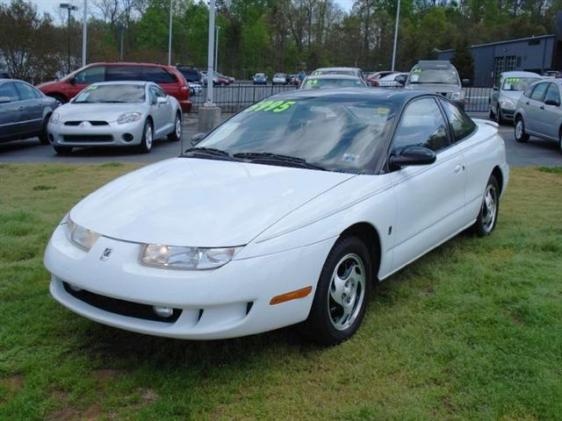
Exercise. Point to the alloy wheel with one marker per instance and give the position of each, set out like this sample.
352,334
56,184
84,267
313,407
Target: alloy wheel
489,208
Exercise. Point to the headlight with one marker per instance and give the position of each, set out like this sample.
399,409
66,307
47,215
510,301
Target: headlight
55,118
80,236
507,104
129,118
186,258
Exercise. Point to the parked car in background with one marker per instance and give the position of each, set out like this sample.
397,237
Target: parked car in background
538,112
280,79
167,77
350,71
193,79
223,80
121,114
290,222
437,76
293,79
506,92
330,81
260,79
4,75
24,111
374,77
393,80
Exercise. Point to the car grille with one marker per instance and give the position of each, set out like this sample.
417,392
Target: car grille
76,138
122,307
92,122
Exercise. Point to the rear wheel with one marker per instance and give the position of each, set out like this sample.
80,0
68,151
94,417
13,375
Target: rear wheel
341,295
488,216
521,135
147,138
499,117
175,136
63,150
560,141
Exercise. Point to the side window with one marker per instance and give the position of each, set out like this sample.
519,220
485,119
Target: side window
539,91
552,94
91,75
158,75
26,91
461,125
116,73
157,92
422,124
9,90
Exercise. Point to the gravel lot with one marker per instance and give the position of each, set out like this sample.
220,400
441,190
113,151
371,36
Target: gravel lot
535,152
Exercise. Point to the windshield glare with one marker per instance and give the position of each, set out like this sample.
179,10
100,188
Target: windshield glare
338,134
447,76
517,83
332,83
111,94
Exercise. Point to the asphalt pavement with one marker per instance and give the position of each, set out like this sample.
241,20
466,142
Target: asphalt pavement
535,152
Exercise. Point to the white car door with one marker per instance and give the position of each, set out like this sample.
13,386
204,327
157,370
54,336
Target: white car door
163,115
430,198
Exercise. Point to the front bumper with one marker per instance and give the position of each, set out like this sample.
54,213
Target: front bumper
507,114
231,301
112,134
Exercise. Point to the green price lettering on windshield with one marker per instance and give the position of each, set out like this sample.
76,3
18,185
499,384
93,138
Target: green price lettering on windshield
273,106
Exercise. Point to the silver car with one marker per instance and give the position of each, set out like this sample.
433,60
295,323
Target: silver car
350,71
116,114
538,112
437,76
506,92
331,81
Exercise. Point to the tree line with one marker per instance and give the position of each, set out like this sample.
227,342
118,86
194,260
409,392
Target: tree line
265,35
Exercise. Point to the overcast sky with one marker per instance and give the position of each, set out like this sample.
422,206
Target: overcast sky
51,6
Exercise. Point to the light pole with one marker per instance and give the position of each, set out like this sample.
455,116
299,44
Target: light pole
210,54
70,8
395,35
85,33
170,36
217,49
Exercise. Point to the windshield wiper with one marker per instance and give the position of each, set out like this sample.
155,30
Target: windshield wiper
211,153
277,159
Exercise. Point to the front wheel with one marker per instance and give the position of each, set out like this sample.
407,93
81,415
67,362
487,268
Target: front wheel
63,150
44,135
147,138
560,141
341,295
521,135
175,136
488,215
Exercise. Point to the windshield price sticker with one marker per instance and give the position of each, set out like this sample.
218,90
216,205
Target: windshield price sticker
272,106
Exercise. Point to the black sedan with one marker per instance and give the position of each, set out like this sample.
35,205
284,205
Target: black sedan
24,111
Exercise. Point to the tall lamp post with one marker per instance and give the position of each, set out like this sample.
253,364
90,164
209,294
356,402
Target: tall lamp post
395,35
170,35
70,8
217,49
85,33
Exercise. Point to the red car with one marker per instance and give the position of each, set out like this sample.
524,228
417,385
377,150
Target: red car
168,77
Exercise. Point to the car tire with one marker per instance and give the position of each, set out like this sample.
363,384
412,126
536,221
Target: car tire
521,135
489,210
63,150
499,118
175,136
147,137
341,296
560,141
44,135
491,115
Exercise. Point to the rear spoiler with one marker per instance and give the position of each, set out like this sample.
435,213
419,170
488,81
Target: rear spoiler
488,122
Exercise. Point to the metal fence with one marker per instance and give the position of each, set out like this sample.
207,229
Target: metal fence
234,98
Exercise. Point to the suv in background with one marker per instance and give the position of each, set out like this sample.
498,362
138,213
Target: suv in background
437,76
167,77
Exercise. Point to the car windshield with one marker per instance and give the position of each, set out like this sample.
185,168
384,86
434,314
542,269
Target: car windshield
126,93
316,83
334,133
334,72
446,76
518,83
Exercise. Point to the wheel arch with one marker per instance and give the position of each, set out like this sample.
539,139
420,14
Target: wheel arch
497,172
370,236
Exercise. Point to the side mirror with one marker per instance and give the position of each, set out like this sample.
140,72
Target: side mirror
465,82
552,102
412,155
198,137
495,88
5,99
161,100
401,79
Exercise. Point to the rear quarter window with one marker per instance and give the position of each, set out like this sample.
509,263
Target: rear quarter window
461,125
158,75
117,73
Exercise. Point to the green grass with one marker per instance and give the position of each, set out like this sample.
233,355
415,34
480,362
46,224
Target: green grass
473,330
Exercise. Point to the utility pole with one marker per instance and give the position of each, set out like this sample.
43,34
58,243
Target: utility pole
395,36
170,35
85,34
217,49
69,8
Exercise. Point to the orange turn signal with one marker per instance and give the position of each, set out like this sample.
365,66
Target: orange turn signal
293,295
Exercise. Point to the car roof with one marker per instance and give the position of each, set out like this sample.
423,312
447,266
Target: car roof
516,73
124,82
338,68
396,96
129,63
334,76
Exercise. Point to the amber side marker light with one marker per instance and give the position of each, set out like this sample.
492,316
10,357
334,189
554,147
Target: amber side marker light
293,295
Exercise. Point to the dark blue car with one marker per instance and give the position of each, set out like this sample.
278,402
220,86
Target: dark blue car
24,111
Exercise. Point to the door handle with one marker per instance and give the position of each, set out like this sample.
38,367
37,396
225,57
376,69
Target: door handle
459,168
20,108
542,107
527,103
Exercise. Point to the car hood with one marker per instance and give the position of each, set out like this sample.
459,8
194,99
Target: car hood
435,87
200,202
105,112
513,95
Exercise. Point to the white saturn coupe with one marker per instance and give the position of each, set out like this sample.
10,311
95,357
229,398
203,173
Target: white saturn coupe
285,214
116,114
